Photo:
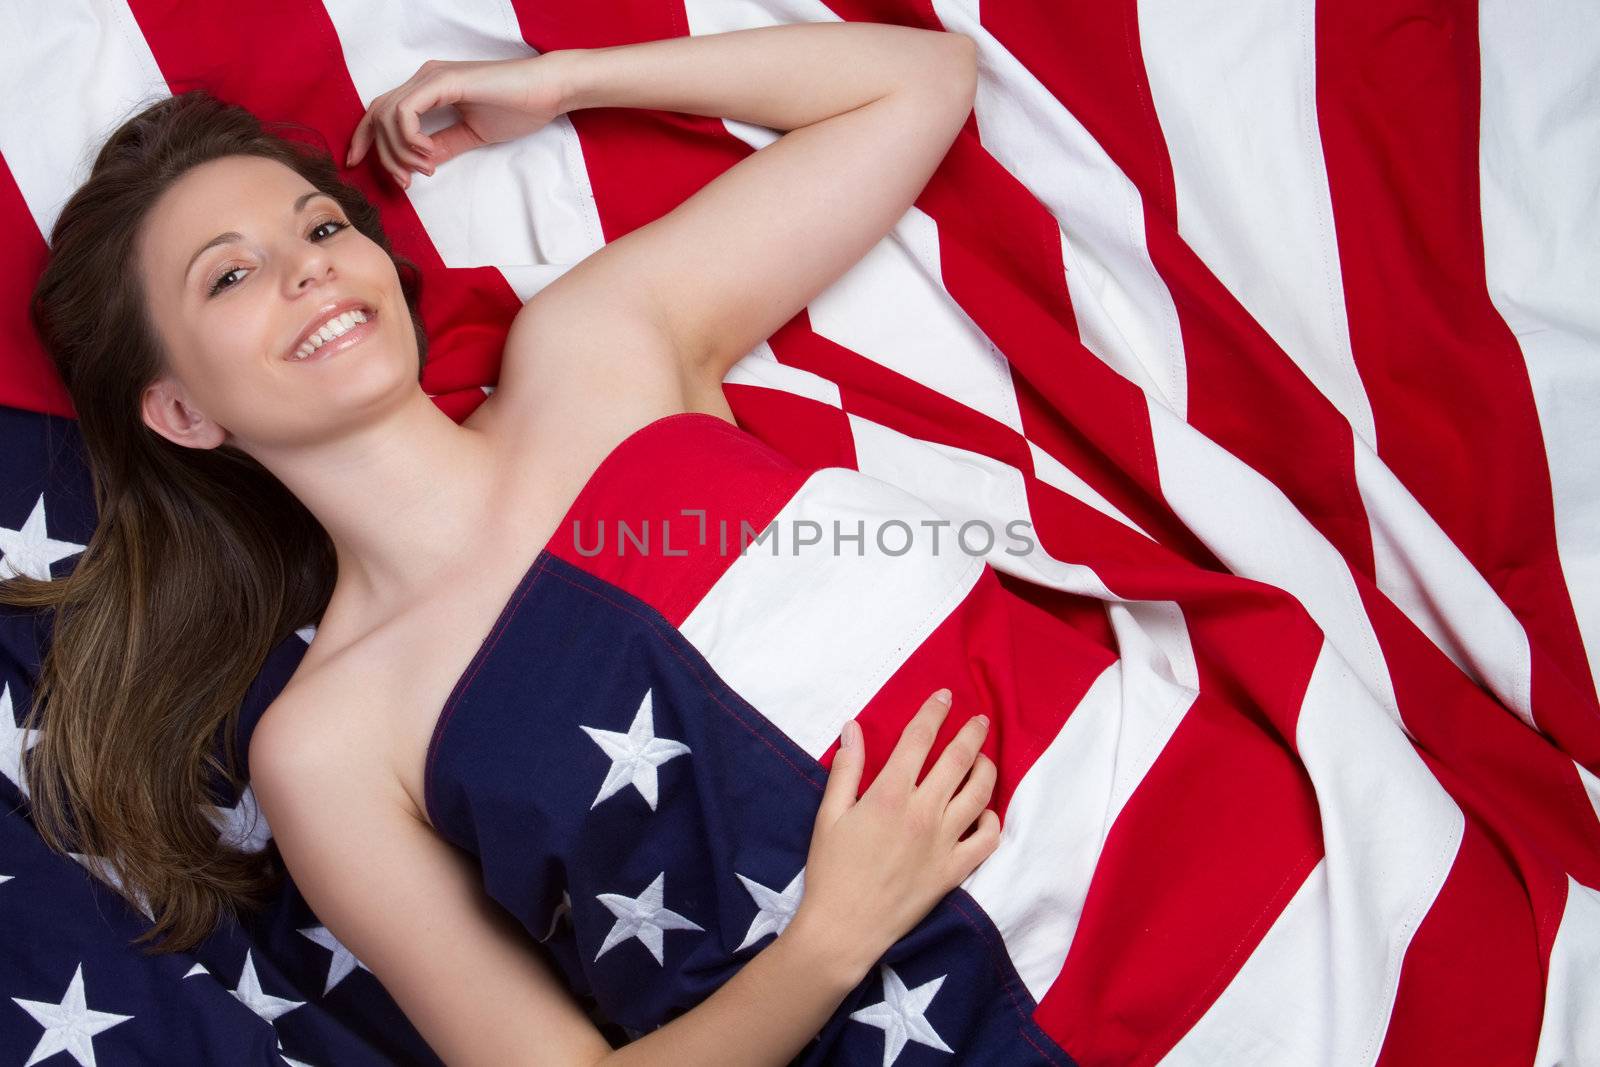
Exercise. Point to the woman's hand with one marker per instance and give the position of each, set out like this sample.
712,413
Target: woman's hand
879,863
498,100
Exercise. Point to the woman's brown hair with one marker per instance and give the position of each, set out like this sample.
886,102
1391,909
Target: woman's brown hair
201,561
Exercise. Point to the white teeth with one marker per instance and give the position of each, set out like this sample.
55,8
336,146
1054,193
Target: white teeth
332,328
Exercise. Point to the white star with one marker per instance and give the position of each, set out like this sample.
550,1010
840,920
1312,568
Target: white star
69,1026
13,742
563,908
249,993
344,961
110,877
29,550
243,826
642,917
774,908
635,755
900,1015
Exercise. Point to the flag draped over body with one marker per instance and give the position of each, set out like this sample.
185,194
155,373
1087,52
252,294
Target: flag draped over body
1274,322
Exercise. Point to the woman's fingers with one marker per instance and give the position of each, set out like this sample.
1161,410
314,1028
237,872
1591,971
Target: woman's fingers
966,856
411,130
972,798
393,128
844,774
435,89
359,141
386,157
911,751
957,757
408,158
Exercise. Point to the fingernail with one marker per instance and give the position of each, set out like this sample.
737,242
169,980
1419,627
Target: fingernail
942,696
981,720
849,738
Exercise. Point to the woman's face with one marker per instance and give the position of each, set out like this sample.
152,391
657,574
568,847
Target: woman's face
241,260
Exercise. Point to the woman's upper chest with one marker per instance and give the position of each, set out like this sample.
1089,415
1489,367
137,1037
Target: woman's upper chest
384,682
390,676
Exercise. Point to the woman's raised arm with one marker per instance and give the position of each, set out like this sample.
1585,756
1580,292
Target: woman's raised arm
871,109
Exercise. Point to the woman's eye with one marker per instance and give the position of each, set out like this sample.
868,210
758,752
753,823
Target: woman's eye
217,285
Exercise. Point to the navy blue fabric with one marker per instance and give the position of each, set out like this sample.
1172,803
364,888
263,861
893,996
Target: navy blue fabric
513,778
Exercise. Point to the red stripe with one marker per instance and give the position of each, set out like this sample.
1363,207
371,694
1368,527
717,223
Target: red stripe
27,377
1397,96
1205,855
811,433
685,461
1471,983
466,311
1023,667
1498,911
1526,791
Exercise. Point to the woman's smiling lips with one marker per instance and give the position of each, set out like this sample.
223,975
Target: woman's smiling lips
353,336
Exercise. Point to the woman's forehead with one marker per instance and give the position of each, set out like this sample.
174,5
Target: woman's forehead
231,194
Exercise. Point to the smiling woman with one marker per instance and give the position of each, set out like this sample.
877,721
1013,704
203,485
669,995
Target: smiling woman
182,275
277,284
228,318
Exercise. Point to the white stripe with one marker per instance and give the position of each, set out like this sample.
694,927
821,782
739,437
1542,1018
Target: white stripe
1124,311
891,307
1236,98
1319,987
1591,786
1426,576
72,72
521,204
1538,145
1058,475
1256,531
1055,827
761,368
1569,1036
1033,885
808,636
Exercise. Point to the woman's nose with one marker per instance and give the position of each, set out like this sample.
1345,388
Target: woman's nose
314,267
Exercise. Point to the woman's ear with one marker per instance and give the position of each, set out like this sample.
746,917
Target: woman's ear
166,409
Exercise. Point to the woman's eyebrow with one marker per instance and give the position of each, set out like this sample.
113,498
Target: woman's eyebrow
235,235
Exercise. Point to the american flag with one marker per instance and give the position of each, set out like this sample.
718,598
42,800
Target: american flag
1270,318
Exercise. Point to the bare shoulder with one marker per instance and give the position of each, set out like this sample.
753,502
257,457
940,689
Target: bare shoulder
322,723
